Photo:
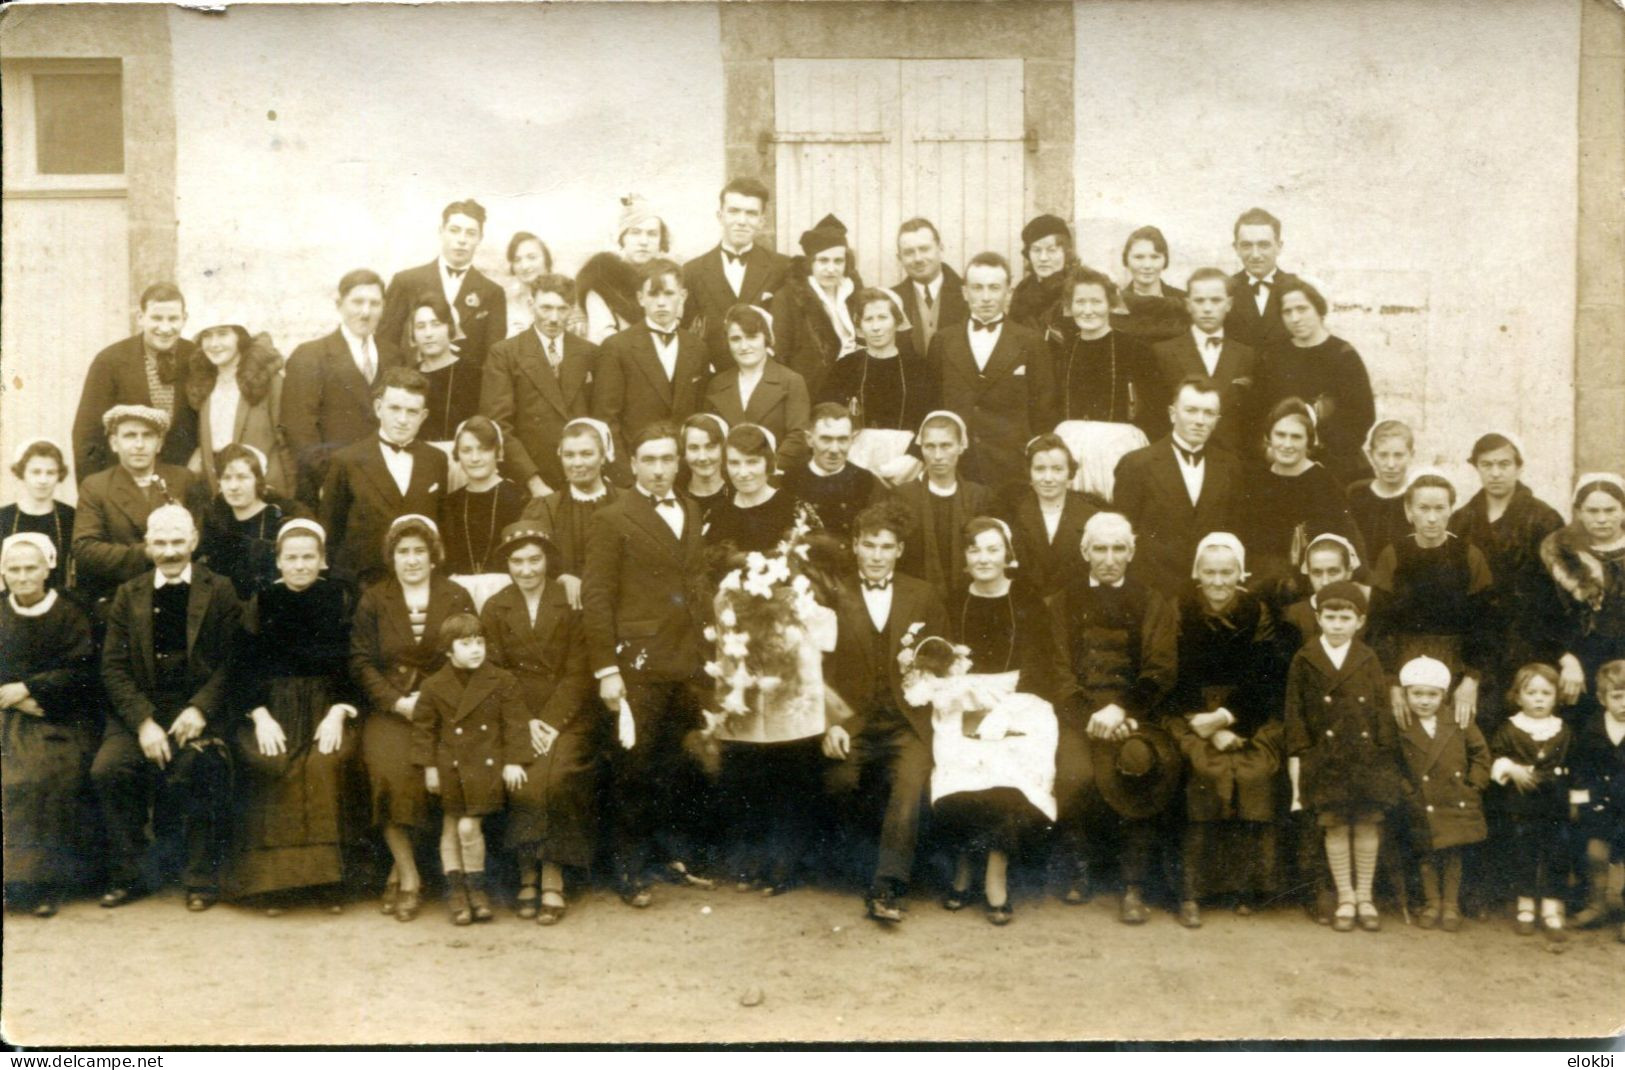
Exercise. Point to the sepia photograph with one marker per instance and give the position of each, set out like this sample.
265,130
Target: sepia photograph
812,522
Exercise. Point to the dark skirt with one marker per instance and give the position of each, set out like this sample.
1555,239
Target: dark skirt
290,825
42,768
553,817
1237,785
770,798
997,819
398,794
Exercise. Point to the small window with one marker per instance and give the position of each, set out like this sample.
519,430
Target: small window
79,124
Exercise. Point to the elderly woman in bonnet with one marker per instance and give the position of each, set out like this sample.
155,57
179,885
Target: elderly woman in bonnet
815,313
1225,717
1048,251
608,283
533,632
47,698
758,389
239,533
1587,561
41,466
298,736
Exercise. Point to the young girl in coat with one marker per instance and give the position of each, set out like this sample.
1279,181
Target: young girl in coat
1599,796
1531,764
467,758
1343,748
1447,768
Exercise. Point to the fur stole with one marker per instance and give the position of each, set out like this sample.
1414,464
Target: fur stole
258,365
614,280
1575,568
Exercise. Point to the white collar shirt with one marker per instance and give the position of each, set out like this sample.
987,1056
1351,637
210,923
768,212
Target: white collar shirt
363,351
1261,295
734,270
983,343
671,514
1208,347
879,603
665,352
1192,473
1337,654
399,462
159,580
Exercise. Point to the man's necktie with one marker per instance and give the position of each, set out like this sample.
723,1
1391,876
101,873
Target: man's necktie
1190,457
664,336
1213,341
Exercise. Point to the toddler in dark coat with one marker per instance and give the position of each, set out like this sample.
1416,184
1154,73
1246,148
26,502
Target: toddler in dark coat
1598,796
1531,764
459,741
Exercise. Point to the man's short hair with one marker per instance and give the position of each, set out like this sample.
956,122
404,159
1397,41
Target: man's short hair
830,410
919,223
656,430
881,516
162,291
360,277
744,187
402,378
993,260
1201,383
470,207
1611,677
1106,525
1255,217
171,512
658,270
1205,274
554,283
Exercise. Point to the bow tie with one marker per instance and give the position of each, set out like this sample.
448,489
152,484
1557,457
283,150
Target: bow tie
1256,283
388,445
661,503
1213,341
456,273
735,258
1190,457
664,336
990,327
877,585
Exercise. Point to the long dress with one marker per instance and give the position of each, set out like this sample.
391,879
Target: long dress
1588,616
1333,373
48,647
888,398
1381,520
752,528
291,823
1281,514
454,396
471,522
1433,602
57,525
244,551
1112,379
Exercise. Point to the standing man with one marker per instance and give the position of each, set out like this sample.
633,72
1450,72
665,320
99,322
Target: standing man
644,608
736,271
376,481
939,506
110,528
833,488
996,375
327,395
652,372
1255,318
1179,488
536,382
884,749
165,664
1204,350
148,370
479,305
933,294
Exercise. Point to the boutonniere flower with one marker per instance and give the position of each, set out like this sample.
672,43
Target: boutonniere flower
472,300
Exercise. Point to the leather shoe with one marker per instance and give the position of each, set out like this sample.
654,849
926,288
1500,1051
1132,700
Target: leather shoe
637,896
1001,914
392,895
1450,920
526,904
45,908
1190,915
1132,911
956,899
883,906
1078,890
407,905
120,895
200,899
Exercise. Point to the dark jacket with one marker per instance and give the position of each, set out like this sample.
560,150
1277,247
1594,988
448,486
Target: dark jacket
1003,405
951,308
1598,765
710,297
327,404
1511,547
118,376
481,310
851,670
1237,376
630,389
1446,775
129,668
1114,645
1339,726
1548,800
922,556
385,661
804,340
1244,323
549,660
360,500
1046,562
1148,489
1032,638
110,527
469,731
531,404
779,403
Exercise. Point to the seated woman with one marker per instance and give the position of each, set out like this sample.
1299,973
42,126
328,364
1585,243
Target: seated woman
1150,310
608,283
1047,250
533,632
297,741
758,389
1378,504
700,475
240,528
887,385
815,313
48,699
1288,501
1047,518
758,516
40,465
1103,375
394,646
454,387
234,382
474,515
1225,716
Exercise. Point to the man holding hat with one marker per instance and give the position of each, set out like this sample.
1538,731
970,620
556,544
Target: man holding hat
111,524
1117,659
478,305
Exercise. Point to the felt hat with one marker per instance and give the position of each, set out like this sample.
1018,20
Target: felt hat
520,532
1137,776
1041,227
826,234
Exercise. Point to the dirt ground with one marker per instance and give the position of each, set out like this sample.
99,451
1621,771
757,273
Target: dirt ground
150,974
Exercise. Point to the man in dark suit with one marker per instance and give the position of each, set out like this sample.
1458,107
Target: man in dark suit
651,372
884,748
1205,351
146,369
736,271
644,606
938,506
479,305
327,396
933,294
996,375
1255,318
165,664
110,529
1179,488
536,382
376,481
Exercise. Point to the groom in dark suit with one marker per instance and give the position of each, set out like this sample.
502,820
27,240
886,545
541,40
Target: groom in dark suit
479,305
736,271
644,607
1255,319
376,481
1179,488
1204,350
883,750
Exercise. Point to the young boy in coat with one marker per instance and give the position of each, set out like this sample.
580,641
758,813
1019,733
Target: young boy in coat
1598,793
1447,768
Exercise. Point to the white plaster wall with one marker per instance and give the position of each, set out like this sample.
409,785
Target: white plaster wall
1423,159
545,113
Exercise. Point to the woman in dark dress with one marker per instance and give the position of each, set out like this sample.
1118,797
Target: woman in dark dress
1225,716
758,389
1102,374
1325,371
474,515
1290,502
1586,559
47,697
814,313
1378,504
888,385
394,646
1047,250
585,447
701,476
41,467
297,740
532,631
1047,518
454,387
1150,310
240,528
758,516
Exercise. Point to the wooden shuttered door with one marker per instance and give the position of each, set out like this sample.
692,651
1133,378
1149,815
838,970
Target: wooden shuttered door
878,141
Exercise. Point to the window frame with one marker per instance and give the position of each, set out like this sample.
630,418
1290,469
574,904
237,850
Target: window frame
22,177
